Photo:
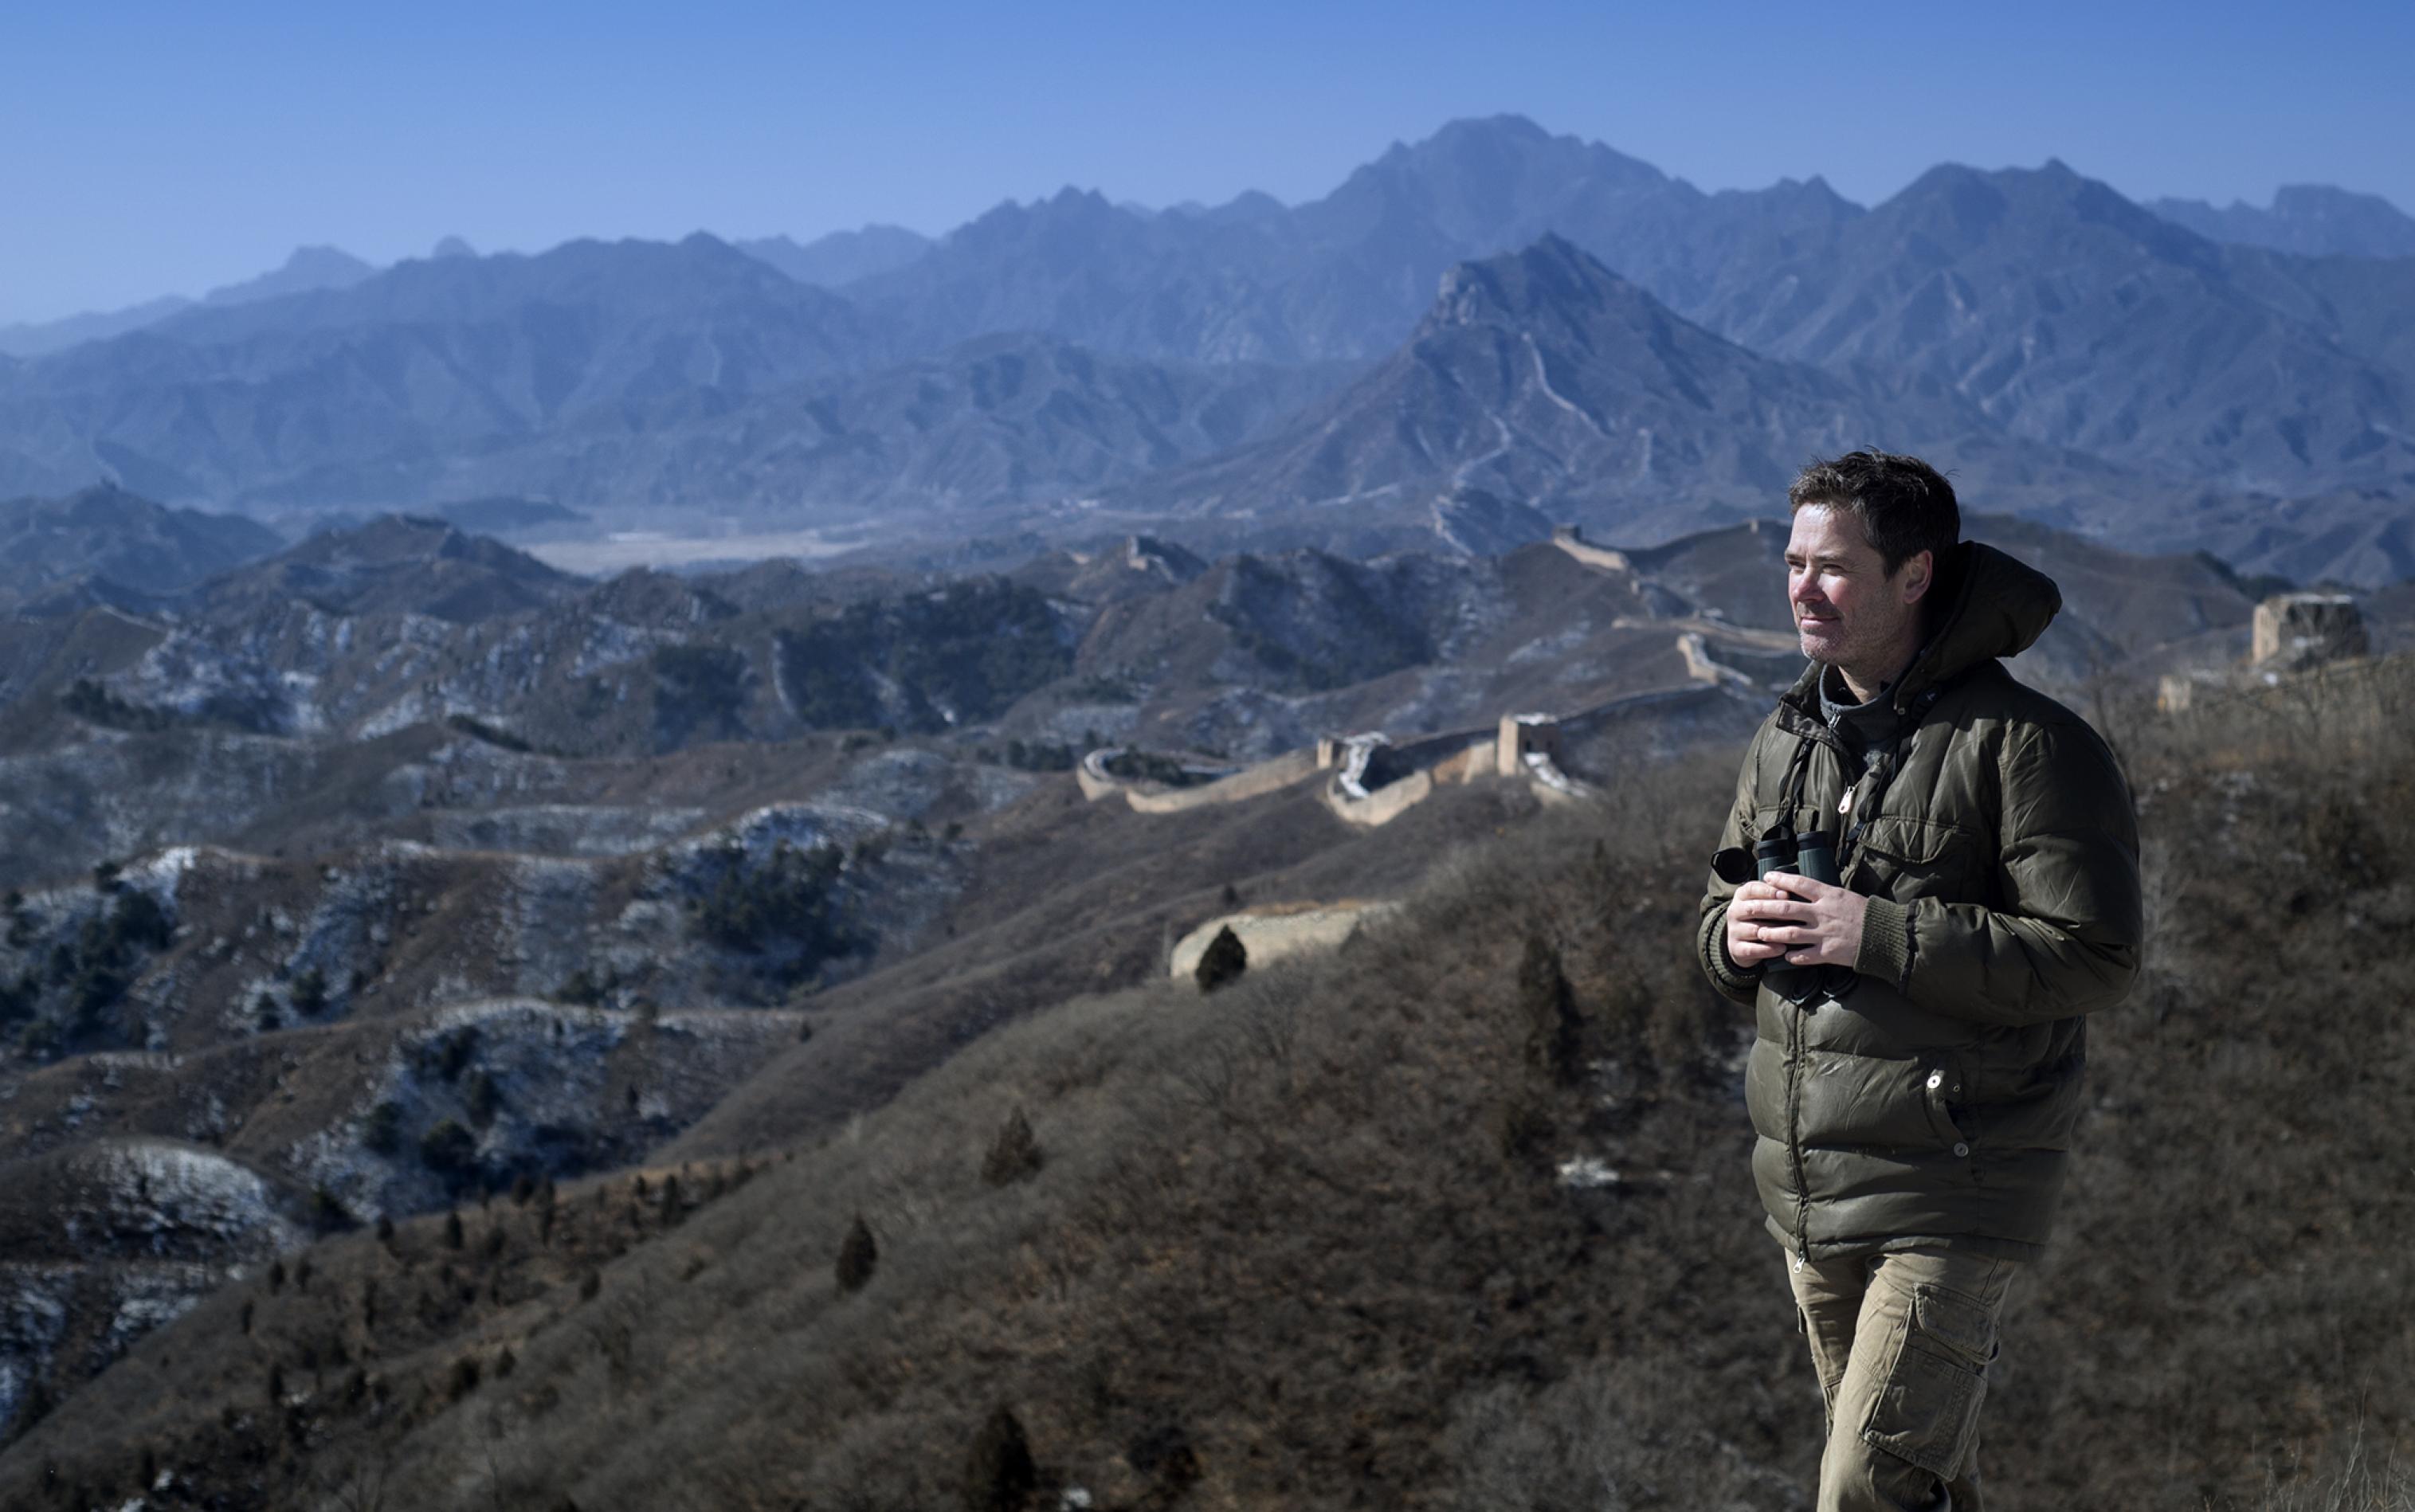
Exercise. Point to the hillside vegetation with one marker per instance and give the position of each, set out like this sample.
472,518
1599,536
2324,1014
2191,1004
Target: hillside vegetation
1456,1217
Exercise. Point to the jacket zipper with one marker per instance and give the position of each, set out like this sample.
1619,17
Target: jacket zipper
1818,734
1794,1129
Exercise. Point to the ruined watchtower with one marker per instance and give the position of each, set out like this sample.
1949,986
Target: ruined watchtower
1522,733
2295,631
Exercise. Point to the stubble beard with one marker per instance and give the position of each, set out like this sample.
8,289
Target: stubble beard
1867,654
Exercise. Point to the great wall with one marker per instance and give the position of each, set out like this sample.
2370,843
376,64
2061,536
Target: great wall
1371,779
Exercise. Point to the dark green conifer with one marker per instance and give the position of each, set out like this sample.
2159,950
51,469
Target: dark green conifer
857,1256
1223,962
1554,1039
999,1476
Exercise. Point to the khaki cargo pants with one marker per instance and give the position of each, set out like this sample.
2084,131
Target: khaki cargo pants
1903,1343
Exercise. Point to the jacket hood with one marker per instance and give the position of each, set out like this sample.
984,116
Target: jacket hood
1997,606
2000,605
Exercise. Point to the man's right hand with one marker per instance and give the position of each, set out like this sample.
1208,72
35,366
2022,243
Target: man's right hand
1745,947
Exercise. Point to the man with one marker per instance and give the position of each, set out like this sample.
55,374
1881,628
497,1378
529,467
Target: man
1916,1070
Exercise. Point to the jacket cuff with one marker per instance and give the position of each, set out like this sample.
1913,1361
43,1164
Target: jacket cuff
1739,982
1887,943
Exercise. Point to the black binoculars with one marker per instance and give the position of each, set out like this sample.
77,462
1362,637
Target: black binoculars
1812,855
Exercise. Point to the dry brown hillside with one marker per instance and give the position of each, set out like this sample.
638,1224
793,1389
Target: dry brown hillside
1458,1218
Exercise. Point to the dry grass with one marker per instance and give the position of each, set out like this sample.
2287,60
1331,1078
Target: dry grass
1299,1244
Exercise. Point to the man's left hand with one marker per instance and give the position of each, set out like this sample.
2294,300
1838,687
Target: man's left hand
1820,926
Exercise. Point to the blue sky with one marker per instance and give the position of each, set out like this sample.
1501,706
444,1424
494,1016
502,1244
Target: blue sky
147,149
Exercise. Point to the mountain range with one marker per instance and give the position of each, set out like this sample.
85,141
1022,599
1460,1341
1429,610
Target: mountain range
2311,219
1609,343
308,268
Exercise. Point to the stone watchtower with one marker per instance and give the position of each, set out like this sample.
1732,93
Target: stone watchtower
2295,631
1520,734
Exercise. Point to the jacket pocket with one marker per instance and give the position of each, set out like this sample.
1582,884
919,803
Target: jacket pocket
1904,859
1939,1087
1927,1413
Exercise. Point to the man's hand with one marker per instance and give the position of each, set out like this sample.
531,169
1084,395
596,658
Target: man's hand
1808,923
1746,947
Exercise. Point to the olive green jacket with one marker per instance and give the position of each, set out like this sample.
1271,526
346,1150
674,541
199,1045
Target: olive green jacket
1926,1097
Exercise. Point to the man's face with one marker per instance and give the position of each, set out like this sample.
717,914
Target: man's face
1848,611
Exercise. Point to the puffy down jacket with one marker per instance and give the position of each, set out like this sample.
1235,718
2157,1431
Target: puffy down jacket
1926,1097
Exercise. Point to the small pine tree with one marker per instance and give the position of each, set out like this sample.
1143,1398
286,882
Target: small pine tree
310,992
857,1256
673,1208
1223,962
1553,1037
244,1318
999,1476
590,1284
276,1385
276,1277
1014,1154
453,1237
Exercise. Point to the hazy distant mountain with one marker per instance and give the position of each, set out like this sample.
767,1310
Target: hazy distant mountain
36,338
364,395
1079,269
2058,311
1542,377
452,246
1345,276
394,565
106,533
1001,420
1477,188
841,257
2311,219
499,514
307,268
2089,362
2074,318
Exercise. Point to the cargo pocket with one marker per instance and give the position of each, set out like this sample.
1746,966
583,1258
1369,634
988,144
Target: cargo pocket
1928,1411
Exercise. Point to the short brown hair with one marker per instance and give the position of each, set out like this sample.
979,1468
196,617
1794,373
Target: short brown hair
1905,506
